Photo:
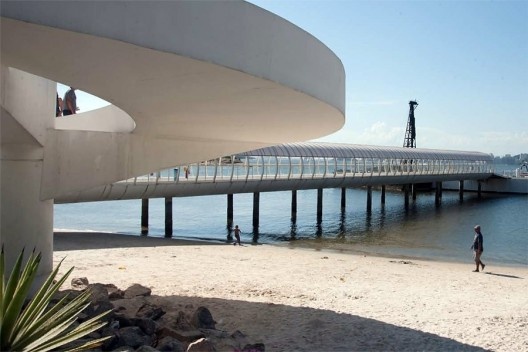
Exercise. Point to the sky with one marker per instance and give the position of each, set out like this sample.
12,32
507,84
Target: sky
465,62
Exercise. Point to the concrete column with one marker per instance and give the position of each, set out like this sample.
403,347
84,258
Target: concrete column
144,216
438,192
319,205
343,198
479,189
369,198
26,221
256,210
294,206
414,191
229,211
406,194
168,216
461,190
383,195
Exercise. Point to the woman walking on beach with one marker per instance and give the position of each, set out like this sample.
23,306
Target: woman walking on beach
478,248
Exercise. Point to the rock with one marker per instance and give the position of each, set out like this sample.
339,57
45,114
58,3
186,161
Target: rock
176,320
256,347
201,345
170,344
98,293
128,307
133,336
150,312
203,319
187,336
144,323
111,343
148,326
79,283
114,292
61,294
137,290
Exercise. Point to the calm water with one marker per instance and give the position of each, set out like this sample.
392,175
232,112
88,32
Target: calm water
423,230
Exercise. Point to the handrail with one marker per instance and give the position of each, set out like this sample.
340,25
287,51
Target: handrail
311,167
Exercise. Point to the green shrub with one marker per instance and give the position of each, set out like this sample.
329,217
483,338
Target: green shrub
34,325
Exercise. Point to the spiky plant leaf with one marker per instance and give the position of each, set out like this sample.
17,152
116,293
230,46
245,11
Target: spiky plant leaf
37,327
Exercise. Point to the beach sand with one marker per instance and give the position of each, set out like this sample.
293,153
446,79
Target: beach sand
312,300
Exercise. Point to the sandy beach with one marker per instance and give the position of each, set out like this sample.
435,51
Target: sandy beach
313,300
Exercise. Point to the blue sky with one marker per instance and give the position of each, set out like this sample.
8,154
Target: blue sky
465,62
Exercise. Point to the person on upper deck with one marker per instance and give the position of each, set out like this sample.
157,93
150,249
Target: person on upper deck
70,103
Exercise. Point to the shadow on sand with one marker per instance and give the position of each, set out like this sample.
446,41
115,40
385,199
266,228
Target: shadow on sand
72,241
317,329
504,275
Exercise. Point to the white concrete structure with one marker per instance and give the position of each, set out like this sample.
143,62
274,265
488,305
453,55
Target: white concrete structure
188,81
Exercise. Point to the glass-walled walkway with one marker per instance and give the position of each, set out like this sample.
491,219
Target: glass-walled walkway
307,161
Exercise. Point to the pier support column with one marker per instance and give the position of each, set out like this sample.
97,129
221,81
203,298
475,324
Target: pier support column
438,192
461,190
383,195
414,191
256,211
479,189
168,216
144,216
343,199
406,194
319,205
294,206
229,211
369,198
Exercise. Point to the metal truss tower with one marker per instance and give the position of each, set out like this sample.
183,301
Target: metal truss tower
410,133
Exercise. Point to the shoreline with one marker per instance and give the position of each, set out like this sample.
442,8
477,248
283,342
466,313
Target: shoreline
311,300
299,244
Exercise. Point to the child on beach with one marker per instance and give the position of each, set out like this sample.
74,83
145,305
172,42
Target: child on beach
237,235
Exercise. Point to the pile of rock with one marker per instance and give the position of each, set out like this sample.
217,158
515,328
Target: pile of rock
139,322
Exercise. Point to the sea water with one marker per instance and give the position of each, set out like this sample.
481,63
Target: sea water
423,229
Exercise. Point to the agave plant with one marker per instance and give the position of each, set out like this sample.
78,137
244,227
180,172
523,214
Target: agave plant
35,325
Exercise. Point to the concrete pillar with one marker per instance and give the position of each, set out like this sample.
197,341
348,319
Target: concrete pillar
414,191
369,198
256,210
343,198
406,194
26,221
461,190
438,192
168,216
479,189
144,216
294,206
229,211
383,195
319,205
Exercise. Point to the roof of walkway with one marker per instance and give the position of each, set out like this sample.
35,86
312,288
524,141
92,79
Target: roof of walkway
337,150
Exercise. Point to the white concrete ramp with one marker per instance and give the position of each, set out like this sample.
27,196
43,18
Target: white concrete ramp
188,80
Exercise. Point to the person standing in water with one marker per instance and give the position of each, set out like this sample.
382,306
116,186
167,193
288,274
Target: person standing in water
237,236
478,248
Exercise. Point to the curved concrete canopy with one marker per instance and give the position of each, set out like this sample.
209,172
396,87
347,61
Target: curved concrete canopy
208,70
197,79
